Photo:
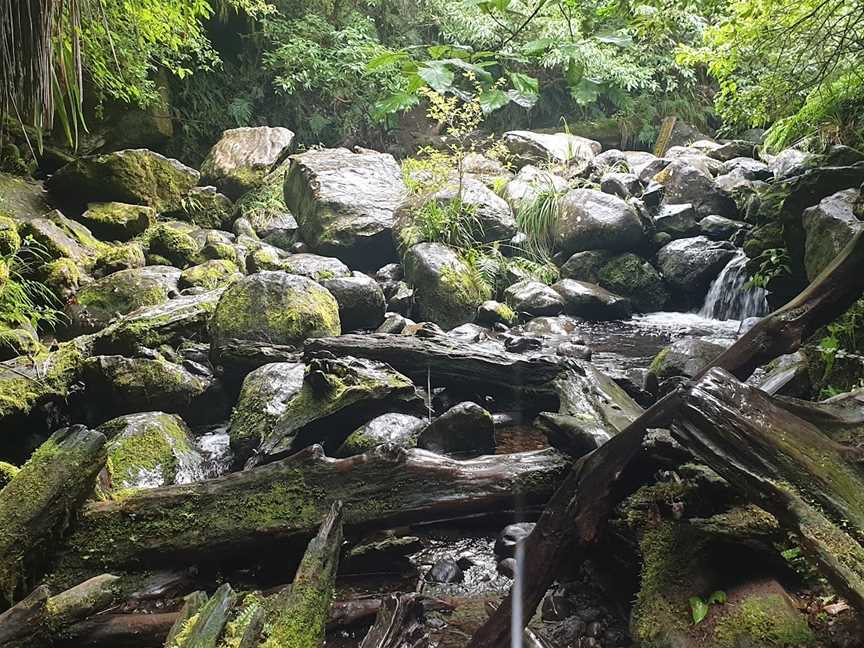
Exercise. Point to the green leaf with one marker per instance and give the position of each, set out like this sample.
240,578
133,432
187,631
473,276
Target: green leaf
699,609
492,100
619,39
717,598
396,102
585,92
535,47
438,75
386,59
791,554
438,51
524,83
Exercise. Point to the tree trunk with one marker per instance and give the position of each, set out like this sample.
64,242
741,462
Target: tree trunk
264,507
303,609
38,503
399,624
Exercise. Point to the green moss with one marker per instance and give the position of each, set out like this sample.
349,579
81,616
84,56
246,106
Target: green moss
631,276
210,275
764,621
236,627
173,244
7,472
119,221
656,366
10,240
35,380
120,257
219,250
62,277
304,626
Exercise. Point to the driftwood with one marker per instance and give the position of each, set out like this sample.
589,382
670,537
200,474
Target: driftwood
578,499
36,505
399,624
302,610
787,466
445,361
285,500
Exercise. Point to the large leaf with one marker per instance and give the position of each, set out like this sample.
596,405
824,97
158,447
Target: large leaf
699,609
620,39
492,100
526,90
438,75
397,102
386,59
535,47
585,92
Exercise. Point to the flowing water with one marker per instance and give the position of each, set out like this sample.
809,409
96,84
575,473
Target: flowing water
731,296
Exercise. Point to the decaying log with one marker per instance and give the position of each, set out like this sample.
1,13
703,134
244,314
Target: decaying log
446,361
17,623
286,500
192,604
787,466
783,331
36,505
206,625
399,624
113,630
302,610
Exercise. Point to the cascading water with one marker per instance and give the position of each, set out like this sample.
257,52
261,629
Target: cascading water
730,298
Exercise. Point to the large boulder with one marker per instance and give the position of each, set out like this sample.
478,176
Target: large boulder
361,301
274,307
685,183
209,275
590,301
491,212
205,207
529,183
57,241
828,227
395,428
264,397
265,210
465,428
241,159
119,293
314,266
149,450
593,220
685,357
631,276
136,176
344,203
116,221
676,220
690,264
445,290
528,147
534,299
22,199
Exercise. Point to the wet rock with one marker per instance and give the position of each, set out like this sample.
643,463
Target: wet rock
592,220
734,149
686,183
345,203
241,159
528,147
492,212
205,207
210,275
623,185
314,266
521,343
510,536
571,350
464,428
444,289
507,567
560,326
445,570
828,227
748,168
652,196
590,301
116,221
399,429
171,244
265,210
119,293
718,228
529,183
685,357
360,299
789,162
15,342
401,299
649,172
393,323
678,221
389,273
491,312
585,266
569,632
557,607
148,450
136,176
470,332
689,265
627,275
533,298
274,307
57,242
23,198
263,398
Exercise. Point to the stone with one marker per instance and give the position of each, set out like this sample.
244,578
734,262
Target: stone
119,257
685,357
718,228
529,183
209,275
398,429
528,147
492,213
590,301
241,159
678,221
790,162
749,168
98,303
445,571
136,176
510,536
265,211
652,169
533,299
732,150
491,312
690,264
686,183
445,291
263,398
623,185
56,241
172,245
360,299
116,221
314,266
465,428
274,307
21,198
205,207
828,227
149,450
345,203
585,266
592,220
631,276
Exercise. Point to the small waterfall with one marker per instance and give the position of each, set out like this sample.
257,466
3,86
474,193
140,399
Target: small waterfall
730,298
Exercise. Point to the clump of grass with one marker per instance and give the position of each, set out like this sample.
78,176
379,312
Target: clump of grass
23,300
452,223
538,220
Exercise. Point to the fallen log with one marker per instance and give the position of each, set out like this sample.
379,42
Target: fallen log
204,628
303,608
445,361
783,331
399,624
37,504
785,465
17,623
192,604
286,500
113,630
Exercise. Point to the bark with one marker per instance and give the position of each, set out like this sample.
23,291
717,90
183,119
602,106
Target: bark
783,331
787,466
191,606
303,610
37,504
264,507
445,361
204,628
399,624
17,623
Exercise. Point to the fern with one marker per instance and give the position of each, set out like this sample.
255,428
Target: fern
25,301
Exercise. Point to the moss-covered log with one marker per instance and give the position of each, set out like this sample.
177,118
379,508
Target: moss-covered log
203,628
286,500
399,623
37,504
302,610
786,465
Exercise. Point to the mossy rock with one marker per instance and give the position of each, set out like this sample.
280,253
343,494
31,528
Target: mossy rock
631,276
265,210
119,257
62,277
210,275
22,199
205,207
7,473
16,342
685,358
148,450
57,243
399,429
274,307
173,244
10,240
115,221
